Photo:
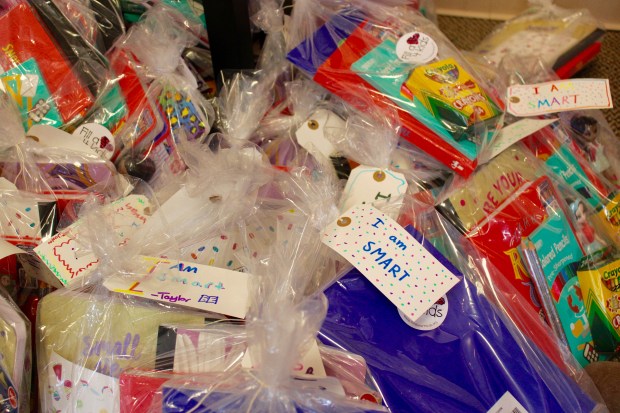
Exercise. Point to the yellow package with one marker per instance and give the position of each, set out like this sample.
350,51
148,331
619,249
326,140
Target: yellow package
450,93
599,277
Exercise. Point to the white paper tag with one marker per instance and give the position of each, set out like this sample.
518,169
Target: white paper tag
559,96
311,134
394,261
380,187
507,404
416,47
7,249
513,133
432,318
6,185
20,218
198,286
71,387
66,258
97,138
89,138
311,364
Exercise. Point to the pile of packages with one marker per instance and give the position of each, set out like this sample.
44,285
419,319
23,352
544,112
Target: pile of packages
368,221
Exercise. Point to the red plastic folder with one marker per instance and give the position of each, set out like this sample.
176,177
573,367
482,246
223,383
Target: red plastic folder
23,37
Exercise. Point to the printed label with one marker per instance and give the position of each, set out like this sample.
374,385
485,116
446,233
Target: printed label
513,133
311,364
198,286
412,275
507,404
382,188
416,47
312,134
97,138
68,260
559,96
432,318
70,387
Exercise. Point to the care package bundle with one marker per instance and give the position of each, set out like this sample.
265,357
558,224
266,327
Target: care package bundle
372,55
565,39
163,101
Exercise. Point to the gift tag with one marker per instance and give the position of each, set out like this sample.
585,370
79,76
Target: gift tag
20,218
507,404
513,133
311,135
97,138
559,96
311,364
7,249
72,386
416,47
68,260
379,187
198,286
89,138
412,275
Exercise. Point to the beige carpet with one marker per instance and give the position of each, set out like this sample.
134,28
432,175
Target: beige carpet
466,33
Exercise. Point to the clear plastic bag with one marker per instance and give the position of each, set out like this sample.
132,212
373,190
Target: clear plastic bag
53,74
281,326
393,58
83,352
164,104
537,231
544,31
15,357
446,358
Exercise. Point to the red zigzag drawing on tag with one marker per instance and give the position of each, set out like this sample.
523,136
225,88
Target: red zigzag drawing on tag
73,270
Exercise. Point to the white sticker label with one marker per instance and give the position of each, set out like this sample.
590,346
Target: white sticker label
507,404
97,138
559,96
68,260
416,47
393,260
198,286
312,134
432,318
311,364
380,187
513,133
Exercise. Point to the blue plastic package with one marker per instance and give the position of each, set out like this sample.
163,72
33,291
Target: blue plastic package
461,357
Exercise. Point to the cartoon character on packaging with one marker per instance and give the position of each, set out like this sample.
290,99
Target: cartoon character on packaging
590,239
586,129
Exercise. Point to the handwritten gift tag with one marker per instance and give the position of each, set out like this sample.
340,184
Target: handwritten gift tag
379,187
559,96
513,133
73,386
198,286
66,257
312,134
311,363
412,275
90,138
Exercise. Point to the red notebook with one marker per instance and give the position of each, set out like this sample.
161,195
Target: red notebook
23,37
